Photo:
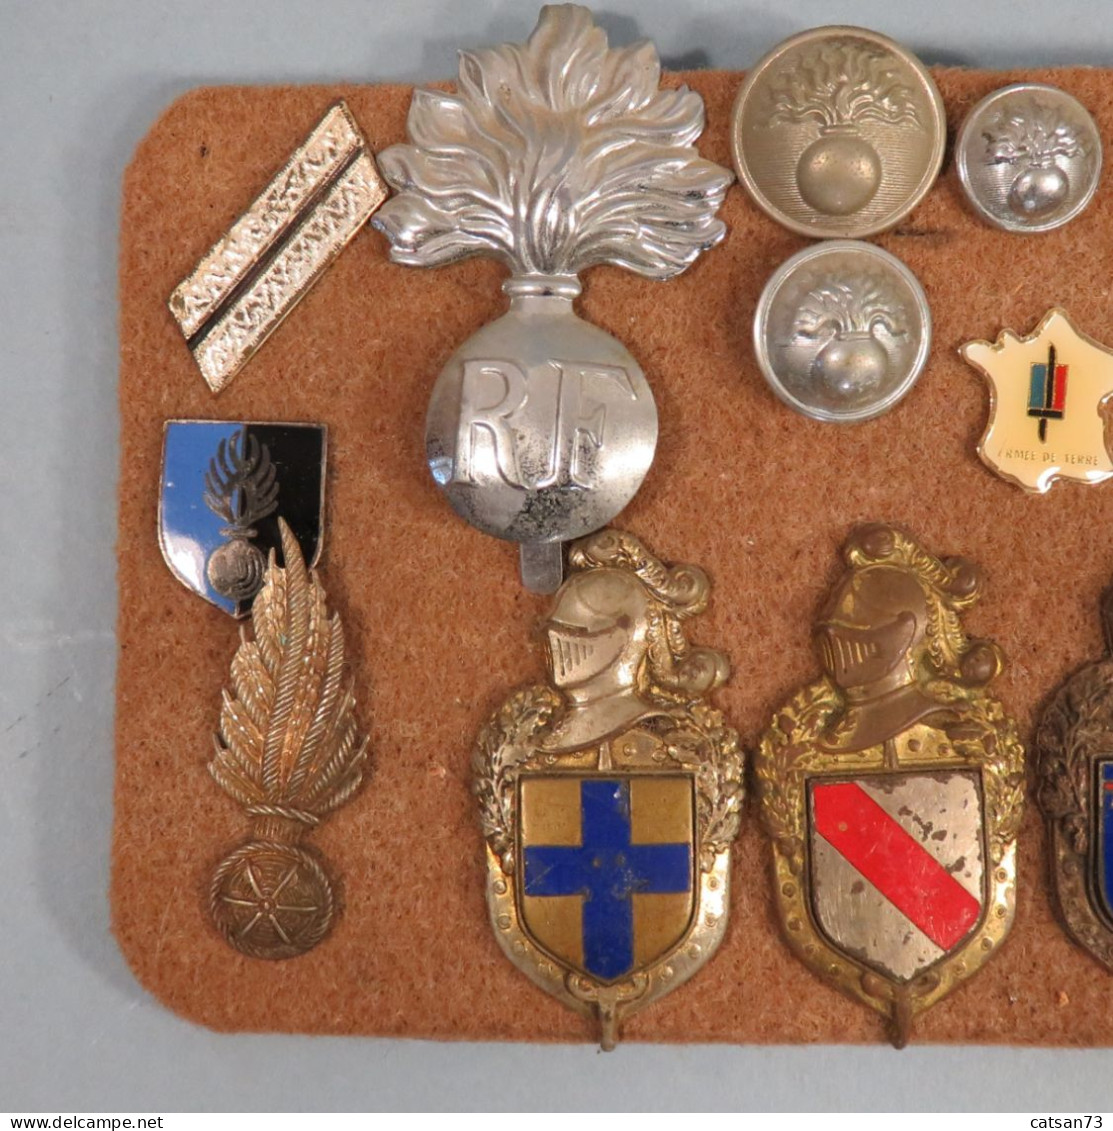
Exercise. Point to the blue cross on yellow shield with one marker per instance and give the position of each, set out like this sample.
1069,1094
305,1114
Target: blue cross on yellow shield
608,883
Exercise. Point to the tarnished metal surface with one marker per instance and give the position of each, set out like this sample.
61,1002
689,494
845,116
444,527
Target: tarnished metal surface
253,276
290,752
893,787
610,796
902,919
1074,744
842,331
838,132
551,156
1047,393
1029,157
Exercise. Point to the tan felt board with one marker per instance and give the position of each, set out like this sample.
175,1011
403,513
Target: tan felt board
440,629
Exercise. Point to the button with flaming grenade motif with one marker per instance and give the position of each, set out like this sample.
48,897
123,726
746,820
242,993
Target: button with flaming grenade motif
892,786
842,331
1029,157
838,133
552,156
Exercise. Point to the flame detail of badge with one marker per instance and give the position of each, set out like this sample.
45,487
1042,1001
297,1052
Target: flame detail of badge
893,787
290,752
1046,392
241,488
610,797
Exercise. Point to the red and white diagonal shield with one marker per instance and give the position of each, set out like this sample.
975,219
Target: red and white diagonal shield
897,866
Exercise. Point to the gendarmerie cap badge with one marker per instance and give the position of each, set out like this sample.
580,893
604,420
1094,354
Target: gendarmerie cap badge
610,795
1074,744
893,786
551,156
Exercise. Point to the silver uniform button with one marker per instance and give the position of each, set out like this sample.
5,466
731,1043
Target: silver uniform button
838,132
1029,157
842,331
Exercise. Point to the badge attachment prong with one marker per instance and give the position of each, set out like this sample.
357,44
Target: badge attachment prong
270,258
1046,392
290,752
1075,792
893,786
551,156
609,796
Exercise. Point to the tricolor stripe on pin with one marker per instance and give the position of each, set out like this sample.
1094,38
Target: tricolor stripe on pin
1047,391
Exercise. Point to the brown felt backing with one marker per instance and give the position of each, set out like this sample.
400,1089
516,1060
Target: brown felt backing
441,630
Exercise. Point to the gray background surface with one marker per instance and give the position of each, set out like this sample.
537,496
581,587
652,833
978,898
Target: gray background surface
80,83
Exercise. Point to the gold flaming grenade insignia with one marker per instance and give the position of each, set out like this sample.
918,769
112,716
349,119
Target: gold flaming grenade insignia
290,752
893,786
610,795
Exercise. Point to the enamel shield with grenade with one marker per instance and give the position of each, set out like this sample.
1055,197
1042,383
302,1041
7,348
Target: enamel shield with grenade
610,795
226,485
893,786
551,156
1074,743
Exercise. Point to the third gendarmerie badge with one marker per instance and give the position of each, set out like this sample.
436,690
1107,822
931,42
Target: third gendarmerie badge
893,786
1074,743
610,795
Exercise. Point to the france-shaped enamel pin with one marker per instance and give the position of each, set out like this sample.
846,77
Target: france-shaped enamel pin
610,795
1046,394
893,786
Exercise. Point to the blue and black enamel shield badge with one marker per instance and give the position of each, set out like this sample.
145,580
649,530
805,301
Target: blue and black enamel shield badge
225,485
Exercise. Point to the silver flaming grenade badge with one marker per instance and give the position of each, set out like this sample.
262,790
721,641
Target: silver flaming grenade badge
552,156
611,794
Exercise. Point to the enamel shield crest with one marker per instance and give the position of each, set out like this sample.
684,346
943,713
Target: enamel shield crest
892,787
225,485
610,796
